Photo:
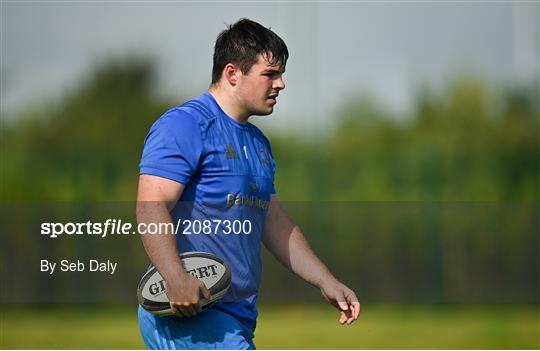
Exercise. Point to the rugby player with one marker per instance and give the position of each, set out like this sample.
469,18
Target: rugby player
206,154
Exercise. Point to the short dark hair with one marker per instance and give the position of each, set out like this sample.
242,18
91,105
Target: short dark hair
242,42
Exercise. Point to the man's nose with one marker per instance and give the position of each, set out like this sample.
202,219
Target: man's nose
279,84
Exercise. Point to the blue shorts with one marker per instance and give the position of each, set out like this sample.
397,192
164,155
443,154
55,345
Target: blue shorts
210,329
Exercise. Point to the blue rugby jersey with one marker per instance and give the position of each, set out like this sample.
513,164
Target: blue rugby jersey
228,172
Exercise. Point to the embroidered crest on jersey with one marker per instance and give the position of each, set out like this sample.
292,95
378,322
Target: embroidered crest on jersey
230,152
264,156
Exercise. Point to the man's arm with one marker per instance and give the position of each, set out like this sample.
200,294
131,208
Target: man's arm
284,239
155,199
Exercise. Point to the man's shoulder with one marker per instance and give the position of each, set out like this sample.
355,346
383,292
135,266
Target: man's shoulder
200,108
191,113
176,118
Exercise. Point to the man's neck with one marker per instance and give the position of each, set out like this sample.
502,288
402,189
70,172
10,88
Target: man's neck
228,104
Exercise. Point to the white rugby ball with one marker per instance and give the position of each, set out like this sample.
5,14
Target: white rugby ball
210,269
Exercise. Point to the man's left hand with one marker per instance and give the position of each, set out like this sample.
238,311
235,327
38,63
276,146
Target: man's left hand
342,298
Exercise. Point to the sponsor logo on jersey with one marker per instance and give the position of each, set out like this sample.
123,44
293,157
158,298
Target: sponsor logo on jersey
245,200
230,152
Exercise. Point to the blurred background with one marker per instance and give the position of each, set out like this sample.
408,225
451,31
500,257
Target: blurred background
407,144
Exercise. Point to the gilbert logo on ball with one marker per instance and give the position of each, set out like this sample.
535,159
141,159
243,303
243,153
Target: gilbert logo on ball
208,268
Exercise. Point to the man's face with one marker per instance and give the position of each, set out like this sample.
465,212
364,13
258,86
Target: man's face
257,90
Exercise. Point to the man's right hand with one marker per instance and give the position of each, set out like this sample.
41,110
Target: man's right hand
156,198
185,295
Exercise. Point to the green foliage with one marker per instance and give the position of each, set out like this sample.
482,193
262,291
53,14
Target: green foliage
88,146
471,143
474,145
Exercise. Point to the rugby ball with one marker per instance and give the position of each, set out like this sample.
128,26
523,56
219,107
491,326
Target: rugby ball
210,269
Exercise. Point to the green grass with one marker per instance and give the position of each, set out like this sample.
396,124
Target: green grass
291,327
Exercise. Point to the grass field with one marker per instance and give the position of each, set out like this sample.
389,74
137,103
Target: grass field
291,327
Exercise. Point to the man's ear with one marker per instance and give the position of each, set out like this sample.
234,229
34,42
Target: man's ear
230,73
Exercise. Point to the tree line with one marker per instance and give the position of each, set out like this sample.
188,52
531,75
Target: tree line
437,205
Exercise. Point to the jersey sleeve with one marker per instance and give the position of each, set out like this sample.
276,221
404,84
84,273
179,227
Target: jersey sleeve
173,147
